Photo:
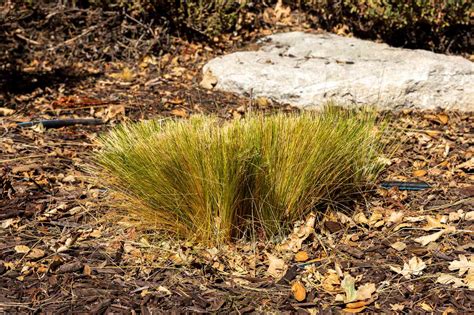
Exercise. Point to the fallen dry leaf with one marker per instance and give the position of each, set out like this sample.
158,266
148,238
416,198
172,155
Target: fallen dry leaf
419,173
365,291
299,291
425,306
415,219
443,118
300,233
361,218
414,267
469,280
6,111
331,282
434,223
445,278
348,286
69,179
463,264
354,310
376,218
276,266
397,307
22,249
114,111
180,112
399,246
301,256
449,310
87,270
36,253
396,217
469,216
125,75
8,222
455,216
96,233
468,165
425,240
163,290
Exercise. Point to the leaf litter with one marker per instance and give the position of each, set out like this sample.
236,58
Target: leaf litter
403,250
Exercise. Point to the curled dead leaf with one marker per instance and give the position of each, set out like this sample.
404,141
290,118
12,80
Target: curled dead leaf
419,173
361,218
96,233
396,217
87,270
114,111
469,280
299,234
397,307
376,219
331,282
276,266
426,307
434,223
356,304
354,310
469,216
301,256
180,112
299,291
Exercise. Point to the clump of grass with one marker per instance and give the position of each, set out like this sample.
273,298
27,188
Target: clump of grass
209,180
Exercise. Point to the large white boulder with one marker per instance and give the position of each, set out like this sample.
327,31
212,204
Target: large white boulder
306,70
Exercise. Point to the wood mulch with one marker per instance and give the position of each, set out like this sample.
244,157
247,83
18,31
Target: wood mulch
64,248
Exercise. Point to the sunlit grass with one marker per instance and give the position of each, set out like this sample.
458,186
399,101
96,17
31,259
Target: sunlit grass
212,181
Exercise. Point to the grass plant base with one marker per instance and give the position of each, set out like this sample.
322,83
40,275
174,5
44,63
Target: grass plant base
211,181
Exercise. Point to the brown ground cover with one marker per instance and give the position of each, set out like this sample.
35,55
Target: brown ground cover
65,249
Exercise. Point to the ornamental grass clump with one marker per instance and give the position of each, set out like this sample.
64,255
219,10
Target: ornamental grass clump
212,181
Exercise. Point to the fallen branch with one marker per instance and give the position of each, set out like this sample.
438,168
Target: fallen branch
58,123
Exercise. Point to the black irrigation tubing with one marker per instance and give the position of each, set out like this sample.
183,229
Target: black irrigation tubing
58,123
413,186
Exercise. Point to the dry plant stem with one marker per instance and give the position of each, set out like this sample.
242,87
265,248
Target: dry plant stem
212,181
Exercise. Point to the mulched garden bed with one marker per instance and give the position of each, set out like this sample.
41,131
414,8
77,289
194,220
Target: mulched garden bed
63,248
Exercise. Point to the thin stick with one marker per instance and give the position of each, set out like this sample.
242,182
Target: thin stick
461,201
23,158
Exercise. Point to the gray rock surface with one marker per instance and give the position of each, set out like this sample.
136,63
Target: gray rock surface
306,70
